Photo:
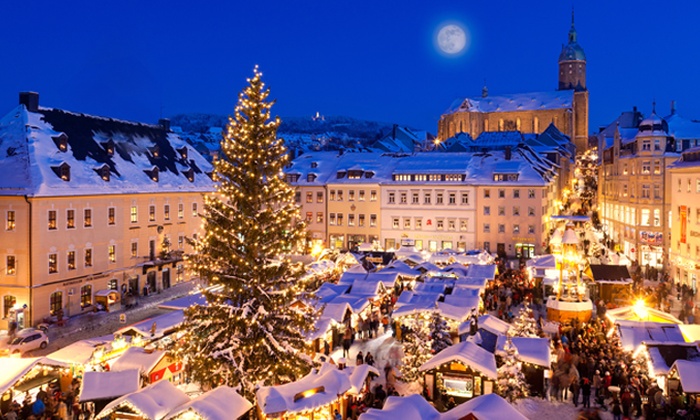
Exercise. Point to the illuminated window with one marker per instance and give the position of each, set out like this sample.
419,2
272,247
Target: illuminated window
53,263
70,219
403,198
111,216
419,223
112,253
339,218
465,198
406,222
134,249
88,257
309,216
11,265
331,195
373,195
392,198
319,217
56,302
85,295
10,223
395,222
151,213
71,260
361,195
166,212
516,228
373,220
451,224
487,193
351,195
439,224
331,219
52,219
180,210
319,197
309,197
134,214
7,304
87,218
195,212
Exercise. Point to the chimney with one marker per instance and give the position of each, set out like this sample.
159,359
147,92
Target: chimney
164,123
29,100
673,107
508,153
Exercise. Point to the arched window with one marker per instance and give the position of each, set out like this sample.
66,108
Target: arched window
7,303
56,302
86,295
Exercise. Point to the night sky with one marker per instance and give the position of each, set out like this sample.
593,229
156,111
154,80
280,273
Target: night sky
373,59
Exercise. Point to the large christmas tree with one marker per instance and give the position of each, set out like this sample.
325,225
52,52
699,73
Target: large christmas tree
511,381
248,333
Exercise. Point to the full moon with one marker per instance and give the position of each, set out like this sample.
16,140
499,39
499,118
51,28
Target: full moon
452,39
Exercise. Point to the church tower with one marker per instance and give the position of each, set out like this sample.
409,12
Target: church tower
572,76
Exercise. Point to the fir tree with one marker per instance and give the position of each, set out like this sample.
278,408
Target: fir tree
511,382
416,345
248,333
524,323
439,334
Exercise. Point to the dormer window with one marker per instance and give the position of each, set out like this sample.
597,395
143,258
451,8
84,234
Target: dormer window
292,177
310,177
183,152
62,171
340,174
109,147
155,151
104,172
153,174
369,174
189,174
314,165
210,174
354,174
61,142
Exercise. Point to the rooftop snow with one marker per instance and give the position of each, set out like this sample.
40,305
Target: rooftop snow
109,385
468,353
155,401
222,403
515,102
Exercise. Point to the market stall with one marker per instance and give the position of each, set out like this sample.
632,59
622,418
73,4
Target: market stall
222,403
101,388
109,300
151,403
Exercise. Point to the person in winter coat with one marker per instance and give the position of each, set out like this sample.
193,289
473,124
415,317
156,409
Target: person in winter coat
597,383
586,392
626,401
369,359
616,409
360,359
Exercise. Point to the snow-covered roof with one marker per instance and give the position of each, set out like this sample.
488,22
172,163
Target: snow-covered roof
317,389
547,261
515,102
401,268
634,333
458,308
489,323
222,403
366,287
691,332
14,369
388,278
137,358
348,277
484,407
469,354
689,375
336,311
35,145
487,271
533,350
358,375
410,407
327,291
109,385
357,303
79,353
164,324
663,355
153,402
629,313
682,128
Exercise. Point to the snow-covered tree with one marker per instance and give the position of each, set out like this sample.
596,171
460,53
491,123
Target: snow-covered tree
511,382
524,323
416,345
248,333
439,333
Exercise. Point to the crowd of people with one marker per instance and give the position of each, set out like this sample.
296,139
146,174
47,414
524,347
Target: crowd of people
50,403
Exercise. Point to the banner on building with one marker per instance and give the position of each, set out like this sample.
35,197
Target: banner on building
684,223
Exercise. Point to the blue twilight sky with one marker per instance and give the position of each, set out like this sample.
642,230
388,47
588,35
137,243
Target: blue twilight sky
366,58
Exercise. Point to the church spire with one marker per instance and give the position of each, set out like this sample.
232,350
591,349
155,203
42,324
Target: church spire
572,31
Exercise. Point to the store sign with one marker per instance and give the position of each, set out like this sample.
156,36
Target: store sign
684,223
651,238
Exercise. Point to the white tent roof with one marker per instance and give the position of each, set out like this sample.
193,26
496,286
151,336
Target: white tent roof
336,311
328,291
155,401
656,351
428,266
533,350
137,358
411,407
458,308
469,354
14,369
487,271
357,303
547,262
366,287
489,323
484,407
689,374
387,278
401,268
633,333
109,385
349,277
79,353
358,375
222,403
628,313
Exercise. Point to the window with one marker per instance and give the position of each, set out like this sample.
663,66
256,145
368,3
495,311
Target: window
530,193
624,190
340,195
452,198
361,195
52,219
151,213
657,144
657,167
319,197
351,195
530,211
351,219
134,249
180,210
646,145
487,210
697,190
501,228
111,216
531,229
439,224
7,304
309,197
516,211
339,217
501,211
501,193
166,212
392,198
319,217
53,263
331,195
88,257
373,195
180,241
361,220
309,217
10,265
112,253
646,167
331,219
373,220
113,284
86,295
451,224
465,198
415,199
297,197
403,198
395,222
645,217
645,191
407,223
87,217
487,193
419,223
195,213
134,214
624,169
487,227
516,228
657,217
10,224
71,260
426,198
689,182
438,198
516,193
56,302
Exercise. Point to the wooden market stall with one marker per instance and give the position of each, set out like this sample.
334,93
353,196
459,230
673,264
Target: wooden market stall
222,403
151,403
109,300
20,375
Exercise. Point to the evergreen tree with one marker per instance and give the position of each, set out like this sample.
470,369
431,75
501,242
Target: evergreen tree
524,324
416,345
439,334
248,333
511,382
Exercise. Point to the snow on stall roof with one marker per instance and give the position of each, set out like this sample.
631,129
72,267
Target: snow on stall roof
628,313
479,283
358,375
456,268
155,401
109,385
515,102
164,324
533,350
401,268
222,403
486,407
432,287
349,277
281,398
137,358
468,353
420,298
388,279
410,407
489,323
14,369
327,291
457,307
547,261
336,311
29,156
413,308
689,375
691,332
367,287
79,352
357,303
321,327
634,333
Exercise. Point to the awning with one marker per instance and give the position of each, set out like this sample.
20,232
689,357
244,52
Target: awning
36,382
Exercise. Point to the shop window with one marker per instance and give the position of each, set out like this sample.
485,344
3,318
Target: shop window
7,303
86,295
56,302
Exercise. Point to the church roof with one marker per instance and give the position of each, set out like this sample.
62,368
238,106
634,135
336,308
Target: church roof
572,51
532,101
